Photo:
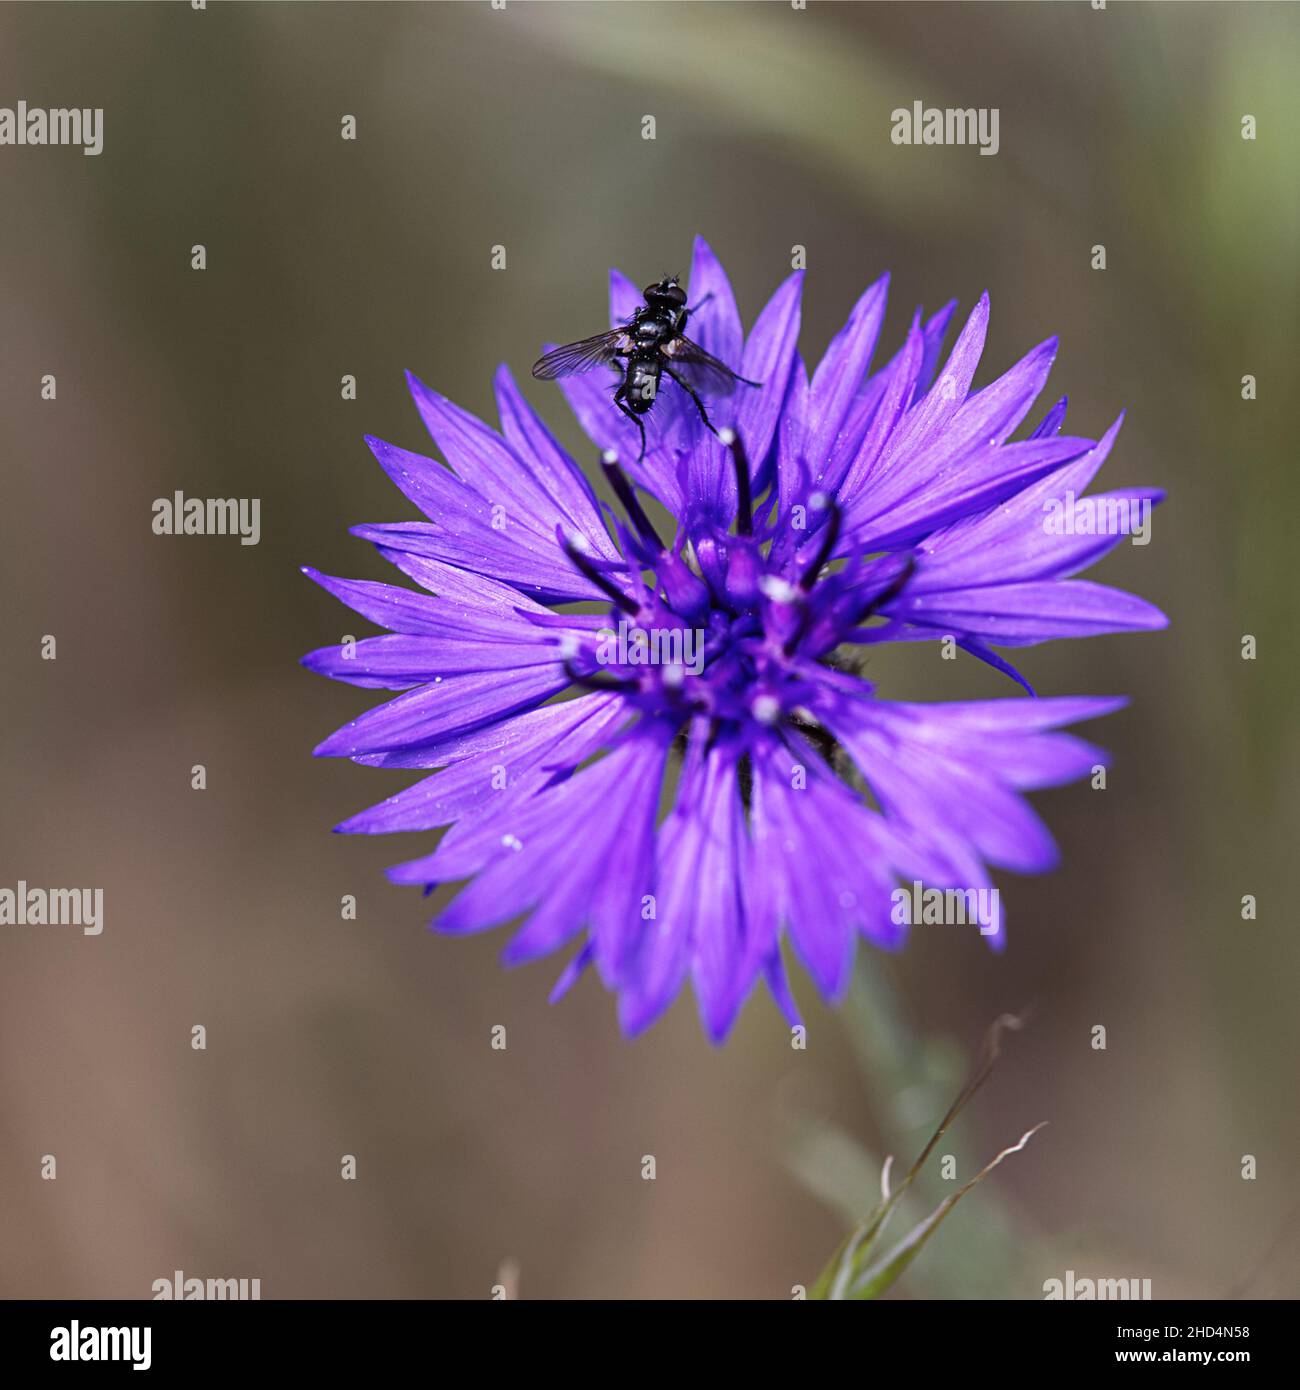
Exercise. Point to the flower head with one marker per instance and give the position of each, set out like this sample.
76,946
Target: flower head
662,745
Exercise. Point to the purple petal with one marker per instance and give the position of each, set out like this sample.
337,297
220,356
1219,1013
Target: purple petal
769,357
544,579
908,508
398,661
442,707
514,757
929,417
716,326
539,452
1018,614
840,374
483,460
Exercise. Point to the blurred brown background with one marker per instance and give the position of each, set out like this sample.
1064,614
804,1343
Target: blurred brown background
325,1037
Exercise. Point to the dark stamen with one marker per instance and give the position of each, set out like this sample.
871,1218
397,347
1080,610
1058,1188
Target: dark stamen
830,536
744,500
820,737
626,494
792,642
582,563
745,781
890,592
596,680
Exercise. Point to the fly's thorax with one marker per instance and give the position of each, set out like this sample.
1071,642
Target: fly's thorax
659,326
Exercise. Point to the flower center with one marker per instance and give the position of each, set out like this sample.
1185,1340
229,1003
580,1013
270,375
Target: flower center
725,628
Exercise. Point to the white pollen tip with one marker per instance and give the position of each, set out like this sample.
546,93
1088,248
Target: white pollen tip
777,589
728,436
819,501
766,709
609,456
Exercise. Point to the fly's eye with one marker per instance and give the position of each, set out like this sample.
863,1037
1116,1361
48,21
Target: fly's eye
676,294
653,291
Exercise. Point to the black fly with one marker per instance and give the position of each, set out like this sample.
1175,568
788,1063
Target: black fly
653,341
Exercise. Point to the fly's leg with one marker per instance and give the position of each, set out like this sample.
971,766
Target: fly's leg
690,391
620,400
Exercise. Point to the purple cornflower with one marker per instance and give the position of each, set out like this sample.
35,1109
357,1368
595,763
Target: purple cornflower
716,773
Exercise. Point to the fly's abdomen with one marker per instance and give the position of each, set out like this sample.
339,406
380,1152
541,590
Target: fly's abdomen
643,386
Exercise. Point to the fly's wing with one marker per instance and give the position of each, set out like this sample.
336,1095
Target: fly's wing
581,356
701,370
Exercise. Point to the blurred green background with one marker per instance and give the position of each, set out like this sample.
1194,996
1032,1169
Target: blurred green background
522,128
